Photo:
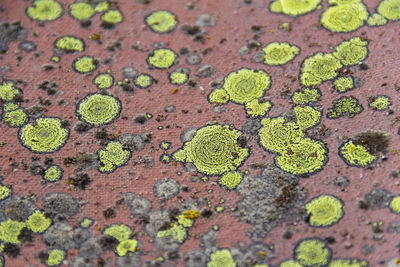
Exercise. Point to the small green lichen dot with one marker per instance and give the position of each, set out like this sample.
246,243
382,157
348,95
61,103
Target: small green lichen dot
348,263
37,222
143,81
376,20
44,10
306,96
98,109
276,53
221,257
344,106
355,155
120,231
258,107
351,52
380,102
165,145
161,21
324,211
343,84
15,118
111,18
344,18
103,81
312,253
86,223
126,247
85,64
81,11
395,205
162,58
230,180
290,263
218,96
10,230
178,78
8,91
70,44
307,116
5,192
319,68
53,173
390,9
56,257
45,135
113,156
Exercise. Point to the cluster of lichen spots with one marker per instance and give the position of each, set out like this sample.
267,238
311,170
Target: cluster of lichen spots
230,180
45,135
221,257
111,18
179,76
344,106
307,116
69,44
312,252
293,7
8,91
276,54
113,156
143,80
214,150
44,10
15,118
390,9
85,64
5,192
355,155
162,58
324,211
53,174
395,204
258,107
103,81
123,234
348,263
376,20
98,109
37,222
306,96
161,21
343,84
380,102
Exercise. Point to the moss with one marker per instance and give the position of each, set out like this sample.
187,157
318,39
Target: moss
113,156
5,192
53,173
37,222
348,263
56,257
221,257
218,96
126,246
351,52
276,53
44,10
45,135
306,96
102,6
312,252
178,78
380,102
307,116
390,9
84,64
214,150
319,68
81,11
161,21
70,44
344,18
258,107
143,81
395,205
290,263
324,211
355,155
177,232
343,84
294,8
16,118
86,223
8,91
98,110
162,58
10,230
345,106
103,81
376,19
112,17
121,232
230,180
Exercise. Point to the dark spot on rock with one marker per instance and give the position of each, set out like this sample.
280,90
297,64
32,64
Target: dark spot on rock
11,250
108,242
374,141
80,180
109,213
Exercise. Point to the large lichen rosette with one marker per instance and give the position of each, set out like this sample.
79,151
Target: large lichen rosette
214,150
45,135
344,18
97,109
324,211
319,68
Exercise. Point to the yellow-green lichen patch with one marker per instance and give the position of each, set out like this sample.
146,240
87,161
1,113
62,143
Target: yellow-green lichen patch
294,7
37,222
113,156
98,109
344,106
214,150
103,81
390,9
312,252
343,2
177,232
348,263
343,84
161,21
45,135
178,77
81,11
69,44
395,205
102,6
218,96
344,18
10,230
276,6
380,102
165,145
307,116
10,107
44,10
258,107
53,173
86,223
85,64
165,158
143,81
221,257
306,96
121,232
162,58
15,118
56,257
304,158
5,192
290,263
376,20
8,91
351,52
319,68
230,180
279,53
355,155
126,247
324,211
111,18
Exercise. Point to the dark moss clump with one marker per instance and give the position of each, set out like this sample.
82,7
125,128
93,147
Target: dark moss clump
80,180
11,250
81,127
49,87
25,235
374,141
109,213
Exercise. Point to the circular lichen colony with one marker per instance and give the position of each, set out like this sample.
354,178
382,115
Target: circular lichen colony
390,9
84,64
344,18
312,252
44,10
45,135
53,174
161,21
97,109
276,53
214,150
324,211
111,18
355,155
113,156
294,7
70,44
81,11
103,81
162,58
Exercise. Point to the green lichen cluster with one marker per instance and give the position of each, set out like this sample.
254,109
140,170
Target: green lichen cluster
390,9
81,11
10,230
376,20
312,252
86,223
294,7
70,44
98,109
103,81
165,145
123,234
380,102
221,257
45,135
112,18
161,21
84,64
162,58
37,222
395,205
143,81
126,247
178,77
351,52
53,173
8,91
290,263
230,180
348,263
102,7
307,116
56,257
258,107
355,155
15,118
344,106
343,84
5,192
177,232
44,10
214,150
276,53
306,96
112,157
324,211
